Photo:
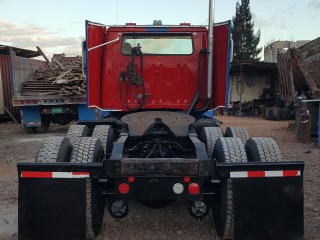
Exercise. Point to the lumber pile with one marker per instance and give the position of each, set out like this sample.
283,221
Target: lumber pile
63,76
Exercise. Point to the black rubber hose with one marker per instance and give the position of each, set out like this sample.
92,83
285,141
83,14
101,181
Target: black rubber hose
206,107
135,82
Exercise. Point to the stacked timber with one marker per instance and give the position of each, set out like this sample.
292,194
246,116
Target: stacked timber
63,76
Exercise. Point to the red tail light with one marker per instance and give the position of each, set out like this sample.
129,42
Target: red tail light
131,179
186,179
124,188
194,189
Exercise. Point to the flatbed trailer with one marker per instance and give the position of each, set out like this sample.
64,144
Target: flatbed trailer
39,110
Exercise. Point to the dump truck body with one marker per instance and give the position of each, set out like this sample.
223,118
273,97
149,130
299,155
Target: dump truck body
155,145
299,71
299,74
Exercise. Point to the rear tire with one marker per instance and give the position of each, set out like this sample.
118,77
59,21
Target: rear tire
54,149
77,131
262,149
204,122
238,132
89,150
209,136
105,134
226,150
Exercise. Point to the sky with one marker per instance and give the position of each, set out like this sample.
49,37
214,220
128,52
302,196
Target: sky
59,26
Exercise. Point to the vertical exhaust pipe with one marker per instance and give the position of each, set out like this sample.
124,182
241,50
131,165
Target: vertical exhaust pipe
209,67
210,48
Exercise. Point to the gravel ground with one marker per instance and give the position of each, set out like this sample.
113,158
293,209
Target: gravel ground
174,221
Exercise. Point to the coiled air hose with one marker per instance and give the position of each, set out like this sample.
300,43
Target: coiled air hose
134,80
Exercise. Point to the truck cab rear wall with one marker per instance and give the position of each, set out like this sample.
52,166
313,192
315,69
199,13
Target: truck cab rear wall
162,74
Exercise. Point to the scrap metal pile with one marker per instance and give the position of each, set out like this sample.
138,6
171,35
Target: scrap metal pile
299,70
63,76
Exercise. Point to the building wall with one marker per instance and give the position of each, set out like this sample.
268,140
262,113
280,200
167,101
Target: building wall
252,85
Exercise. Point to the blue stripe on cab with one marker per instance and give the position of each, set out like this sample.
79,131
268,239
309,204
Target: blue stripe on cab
157,29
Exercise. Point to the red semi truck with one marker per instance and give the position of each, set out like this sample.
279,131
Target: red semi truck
156,145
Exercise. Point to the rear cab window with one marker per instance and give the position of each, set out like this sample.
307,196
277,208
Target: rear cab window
158,44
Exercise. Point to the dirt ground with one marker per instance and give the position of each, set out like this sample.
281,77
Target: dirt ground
172,222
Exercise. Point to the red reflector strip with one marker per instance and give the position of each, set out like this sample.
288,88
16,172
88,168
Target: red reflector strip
28,174
36,174
263,174
291,173
256,174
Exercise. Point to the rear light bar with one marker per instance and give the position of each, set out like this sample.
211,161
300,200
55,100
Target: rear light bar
77,100
191,188
25,102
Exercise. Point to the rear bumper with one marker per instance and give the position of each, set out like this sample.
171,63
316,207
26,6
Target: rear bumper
159,187
268,197
170,166
94,169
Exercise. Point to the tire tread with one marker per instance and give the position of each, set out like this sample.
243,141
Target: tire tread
77,131
238,132
230,150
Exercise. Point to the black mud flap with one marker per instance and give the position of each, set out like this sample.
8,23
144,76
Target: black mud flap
52,200
268,199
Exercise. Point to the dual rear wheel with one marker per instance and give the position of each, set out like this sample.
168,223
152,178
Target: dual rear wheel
79,148
234,146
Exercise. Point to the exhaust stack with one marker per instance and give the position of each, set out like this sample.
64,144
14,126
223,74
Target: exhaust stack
210,48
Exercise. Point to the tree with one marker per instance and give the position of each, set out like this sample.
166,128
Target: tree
245,42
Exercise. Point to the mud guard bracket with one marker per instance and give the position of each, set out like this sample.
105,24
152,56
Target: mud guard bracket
268,199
